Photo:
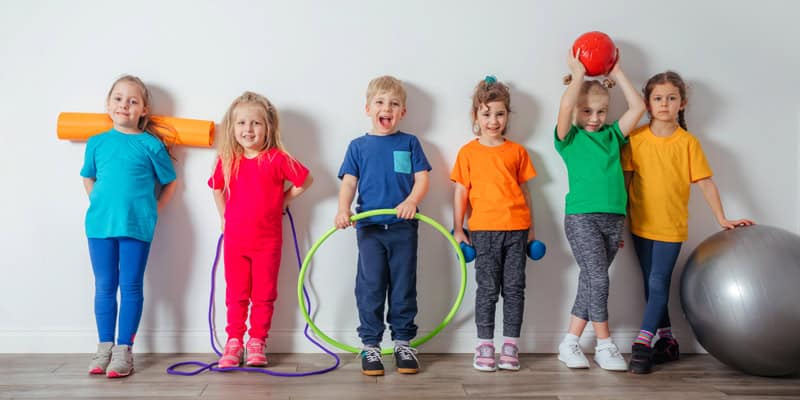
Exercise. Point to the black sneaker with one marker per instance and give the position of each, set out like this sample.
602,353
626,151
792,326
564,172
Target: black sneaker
405,357
641,359
666,350
371,363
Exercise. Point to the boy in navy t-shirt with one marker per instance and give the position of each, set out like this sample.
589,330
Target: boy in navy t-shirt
389,170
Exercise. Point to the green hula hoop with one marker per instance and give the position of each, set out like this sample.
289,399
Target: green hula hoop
367,214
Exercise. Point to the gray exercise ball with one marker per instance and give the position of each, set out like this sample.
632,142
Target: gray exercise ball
740,292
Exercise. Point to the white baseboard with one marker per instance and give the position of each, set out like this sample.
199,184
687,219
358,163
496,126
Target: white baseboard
289,341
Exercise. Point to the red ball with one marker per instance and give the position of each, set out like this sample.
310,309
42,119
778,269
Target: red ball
598,52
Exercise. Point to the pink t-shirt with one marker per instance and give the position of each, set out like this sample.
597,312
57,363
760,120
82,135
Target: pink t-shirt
253,213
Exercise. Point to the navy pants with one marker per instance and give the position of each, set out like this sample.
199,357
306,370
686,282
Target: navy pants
657,260
387,264
118,263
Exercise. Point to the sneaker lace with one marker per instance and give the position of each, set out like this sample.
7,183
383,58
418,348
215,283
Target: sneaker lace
255,348
372,355
406,353
232,348
612,350
485,351
575,349
510,350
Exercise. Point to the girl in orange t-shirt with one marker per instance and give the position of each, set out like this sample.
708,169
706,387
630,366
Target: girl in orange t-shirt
661,162
490,172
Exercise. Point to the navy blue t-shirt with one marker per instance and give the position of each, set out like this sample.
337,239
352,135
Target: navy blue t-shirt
385,168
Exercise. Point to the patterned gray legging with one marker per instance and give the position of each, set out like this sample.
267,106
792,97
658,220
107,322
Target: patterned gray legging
594,239
499,268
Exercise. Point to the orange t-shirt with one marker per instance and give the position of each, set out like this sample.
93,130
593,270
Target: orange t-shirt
663,170
492,176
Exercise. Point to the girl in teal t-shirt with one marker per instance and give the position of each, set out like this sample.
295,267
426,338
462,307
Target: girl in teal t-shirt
121,170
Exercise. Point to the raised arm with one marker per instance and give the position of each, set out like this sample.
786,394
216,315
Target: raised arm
711,194
636,106
570,97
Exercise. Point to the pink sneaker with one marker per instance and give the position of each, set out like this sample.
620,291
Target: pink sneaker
256,353
509,357
484,358
232,356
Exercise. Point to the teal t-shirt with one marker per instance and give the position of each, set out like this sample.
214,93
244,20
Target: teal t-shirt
126,168
596,183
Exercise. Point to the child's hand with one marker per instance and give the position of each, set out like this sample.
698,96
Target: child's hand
342,219
531,235
728,224
576,67
222,224
461,237
406,210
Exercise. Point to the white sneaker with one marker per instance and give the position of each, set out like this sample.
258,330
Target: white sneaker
570,354
607,356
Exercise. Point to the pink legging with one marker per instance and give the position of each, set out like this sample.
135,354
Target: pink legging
251,276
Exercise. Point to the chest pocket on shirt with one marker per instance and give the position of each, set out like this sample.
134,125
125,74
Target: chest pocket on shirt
402,162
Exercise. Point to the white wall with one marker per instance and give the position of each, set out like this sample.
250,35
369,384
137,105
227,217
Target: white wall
313,60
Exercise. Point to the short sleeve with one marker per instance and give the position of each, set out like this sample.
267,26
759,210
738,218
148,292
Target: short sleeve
217,180
561,144
89,169
698,164
162,163
526,170
461,170
418,159
621,138
350,163
293,171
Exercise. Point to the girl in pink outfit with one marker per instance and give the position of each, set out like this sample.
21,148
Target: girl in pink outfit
248,183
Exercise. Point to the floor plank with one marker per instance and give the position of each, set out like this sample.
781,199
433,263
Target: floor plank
443,376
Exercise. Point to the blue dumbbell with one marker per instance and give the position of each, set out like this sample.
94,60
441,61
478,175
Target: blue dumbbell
536,250
468,250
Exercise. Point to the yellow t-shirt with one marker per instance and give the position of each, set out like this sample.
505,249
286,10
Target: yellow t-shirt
663,170
492,176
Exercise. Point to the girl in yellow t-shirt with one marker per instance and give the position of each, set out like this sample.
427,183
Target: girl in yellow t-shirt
490,172
661,162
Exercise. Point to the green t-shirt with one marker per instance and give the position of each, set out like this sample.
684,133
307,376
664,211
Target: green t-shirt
596,183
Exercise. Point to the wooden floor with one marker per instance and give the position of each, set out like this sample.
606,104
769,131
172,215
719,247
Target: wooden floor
63,376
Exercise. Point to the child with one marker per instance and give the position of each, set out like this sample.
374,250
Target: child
491,171
121,170
660,163
389,170
595,204
248,184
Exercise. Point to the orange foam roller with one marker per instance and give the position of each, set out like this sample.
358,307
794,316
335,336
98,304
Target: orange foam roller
189,132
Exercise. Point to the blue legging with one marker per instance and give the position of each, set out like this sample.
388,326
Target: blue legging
657,260
118,263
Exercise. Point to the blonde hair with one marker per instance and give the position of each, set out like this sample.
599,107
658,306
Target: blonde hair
386,83
145,124
229,150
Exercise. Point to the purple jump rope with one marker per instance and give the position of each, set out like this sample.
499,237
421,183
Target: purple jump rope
203,366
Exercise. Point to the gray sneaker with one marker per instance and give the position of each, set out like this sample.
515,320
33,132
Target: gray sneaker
121,362
101,359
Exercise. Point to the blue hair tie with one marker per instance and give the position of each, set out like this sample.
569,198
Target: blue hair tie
490,79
